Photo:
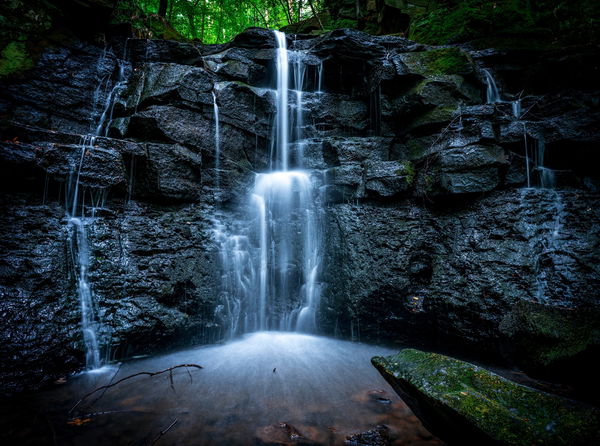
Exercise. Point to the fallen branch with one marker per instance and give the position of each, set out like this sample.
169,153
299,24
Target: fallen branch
315,15
110,382
107,386
164,431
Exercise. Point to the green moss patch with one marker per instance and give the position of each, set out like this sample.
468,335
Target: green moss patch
466,396
14,58
545,335
438,62
407,170
445,22
446,61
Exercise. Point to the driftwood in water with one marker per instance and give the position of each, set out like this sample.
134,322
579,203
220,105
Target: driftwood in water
107,386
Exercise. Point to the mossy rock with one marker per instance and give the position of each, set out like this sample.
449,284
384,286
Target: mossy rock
466,404
437,117
446,90
438,62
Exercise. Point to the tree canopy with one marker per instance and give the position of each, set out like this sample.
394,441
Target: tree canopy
213,21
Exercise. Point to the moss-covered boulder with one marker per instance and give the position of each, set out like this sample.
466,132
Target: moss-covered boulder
555,342
466,404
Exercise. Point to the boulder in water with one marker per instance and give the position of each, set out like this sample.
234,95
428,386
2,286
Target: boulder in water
460,401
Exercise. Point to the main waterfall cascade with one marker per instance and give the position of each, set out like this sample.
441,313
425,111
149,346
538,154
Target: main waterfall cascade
270,267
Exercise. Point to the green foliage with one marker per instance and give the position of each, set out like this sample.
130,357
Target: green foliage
14,59
19,17
467,20
211,21
144,24
343,23
458,21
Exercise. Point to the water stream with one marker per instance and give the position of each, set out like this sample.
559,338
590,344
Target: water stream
493,95
270,268
79,216
217,142
544,235
282,118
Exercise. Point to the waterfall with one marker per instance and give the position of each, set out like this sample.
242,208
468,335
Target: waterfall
111,99
289,250
543,216
549,244
320,78
551,247
78,220
493,95
526,155
492,92
282,119
89,322
80,256
547,176
516,108
236,279
217,141
299,73
271,267
375,110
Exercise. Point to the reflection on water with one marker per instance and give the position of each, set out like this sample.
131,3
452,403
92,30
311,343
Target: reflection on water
266,388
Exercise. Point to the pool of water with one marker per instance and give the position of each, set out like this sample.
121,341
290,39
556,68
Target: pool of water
267,388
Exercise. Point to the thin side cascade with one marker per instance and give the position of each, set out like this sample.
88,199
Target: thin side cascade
299,74
492,92
89,323
547,238
493,95
516,108
552,245
78,220
79,249
107,114
527,169
547,176
320,78
236,279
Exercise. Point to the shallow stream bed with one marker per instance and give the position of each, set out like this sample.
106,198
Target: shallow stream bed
266,388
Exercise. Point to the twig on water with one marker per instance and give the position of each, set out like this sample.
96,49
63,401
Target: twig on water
170,369
110,382
164,431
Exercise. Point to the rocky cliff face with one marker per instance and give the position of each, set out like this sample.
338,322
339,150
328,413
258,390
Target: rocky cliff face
431,234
